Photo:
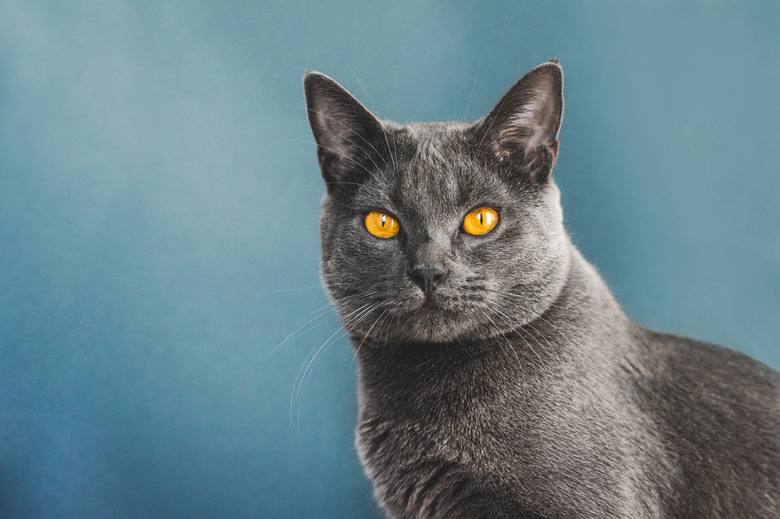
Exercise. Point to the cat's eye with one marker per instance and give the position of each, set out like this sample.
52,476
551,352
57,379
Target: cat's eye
381,225
480,221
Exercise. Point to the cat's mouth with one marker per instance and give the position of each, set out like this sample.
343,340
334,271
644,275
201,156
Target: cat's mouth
434,320
430,303
429,321
413,316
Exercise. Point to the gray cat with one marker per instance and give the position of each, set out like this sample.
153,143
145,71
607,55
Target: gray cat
498,376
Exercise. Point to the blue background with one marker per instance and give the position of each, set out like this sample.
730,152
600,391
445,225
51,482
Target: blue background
159,196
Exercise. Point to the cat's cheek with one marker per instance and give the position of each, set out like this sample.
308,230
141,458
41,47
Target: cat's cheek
361,262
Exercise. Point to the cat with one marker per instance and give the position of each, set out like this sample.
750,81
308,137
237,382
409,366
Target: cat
498,375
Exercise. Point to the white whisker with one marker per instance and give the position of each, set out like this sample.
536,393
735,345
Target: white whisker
296,289
357,350
468,104
318,313
353,318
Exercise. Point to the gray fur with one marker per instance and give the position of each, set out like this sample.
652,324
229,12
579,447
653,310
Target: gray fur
520,389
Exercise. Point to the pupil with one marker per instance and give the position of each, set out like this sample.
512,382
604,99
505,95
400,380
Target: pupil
481,217
383,221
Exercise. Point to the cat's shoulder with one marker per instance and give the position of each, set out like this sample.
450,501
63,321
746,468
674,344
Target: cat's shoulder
690,368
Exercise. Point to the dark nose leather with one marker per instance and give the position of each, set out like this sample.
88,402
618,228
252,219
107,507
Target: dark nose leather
427,278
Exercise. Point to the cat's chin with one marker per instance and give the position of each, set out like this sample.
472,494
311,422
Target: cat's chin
434,320
427,323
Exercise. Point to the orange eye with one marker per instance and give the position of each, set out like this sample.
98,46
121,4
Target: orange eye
480,221
381,225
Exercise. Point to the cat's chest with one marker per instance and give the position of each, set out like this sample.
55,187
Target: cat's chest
455,427
485,431
497,436
415,462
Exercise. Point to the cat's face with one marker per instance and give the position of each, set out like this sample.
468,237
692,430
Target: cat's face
426,276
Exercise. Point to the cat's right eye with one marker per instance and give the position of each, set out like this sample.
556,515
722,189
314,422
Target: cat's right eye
381,225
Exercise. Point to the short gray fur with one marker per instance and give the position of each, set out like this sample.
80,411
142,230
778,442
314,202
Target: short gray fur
518,388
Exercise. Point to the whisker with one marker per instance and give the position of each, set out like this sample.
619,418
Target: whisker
293,394
523,297
373,106
321,311
321,353
318,313
301,381
387,331
296,289
468,104
337,335
298,386
357,350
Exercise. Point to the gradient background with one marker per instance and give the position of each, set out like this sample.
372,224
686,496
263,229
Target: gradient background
159,196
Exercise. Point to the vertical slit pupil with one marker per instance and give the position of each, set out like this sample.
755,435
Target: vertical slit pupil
481,217
383,221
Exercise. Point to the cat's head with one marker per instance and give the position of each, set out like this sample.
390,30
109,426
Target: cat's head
438,232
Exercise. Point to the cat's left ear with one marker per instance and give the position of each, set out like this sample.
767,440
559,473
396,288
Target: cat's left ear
348,136
522,130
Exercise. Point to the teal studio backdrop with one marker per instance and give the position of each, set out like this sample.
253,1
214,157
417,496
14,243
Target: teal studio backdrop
159,197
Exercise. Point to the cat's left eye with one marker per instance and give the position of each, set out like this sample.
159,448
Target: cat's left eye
480,221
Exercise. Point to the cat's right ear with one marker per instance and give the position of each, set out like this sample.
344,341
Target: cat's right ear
347,134
522,130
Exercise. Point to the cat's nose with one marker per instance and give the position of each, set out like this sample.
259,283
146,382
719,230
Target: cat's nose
427,278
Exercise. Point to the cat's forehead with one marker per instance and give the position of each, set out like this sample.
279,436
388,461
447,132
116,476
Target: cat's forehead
431,174
431,168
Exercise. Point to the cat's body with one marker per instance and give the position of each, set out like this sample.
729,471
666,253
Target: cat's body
652,431
498,376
